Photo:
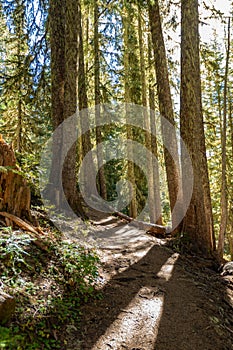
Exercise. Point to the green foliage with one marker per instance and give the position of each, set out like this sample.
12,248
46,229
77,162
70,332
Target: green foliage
30,167
24,81
50,286
80,266
9,340
4,169
12,249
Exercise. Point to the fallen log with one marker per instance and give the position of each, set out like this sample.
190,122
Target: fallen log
122,216
34,231
150,228
19,222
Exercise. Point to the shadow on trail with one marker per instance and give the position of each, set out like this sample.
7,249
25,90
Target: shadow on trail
154,304
191,317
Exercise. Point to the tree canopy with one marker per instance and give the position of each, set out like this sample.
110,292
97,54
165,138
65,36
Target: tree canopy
57,57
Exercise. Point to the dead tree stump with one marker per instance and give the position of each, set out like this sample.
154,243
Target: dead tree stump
15,195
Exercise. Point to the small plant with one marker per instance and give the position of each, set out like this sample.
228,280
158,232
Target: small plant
9,340
51,285
80,266
12,247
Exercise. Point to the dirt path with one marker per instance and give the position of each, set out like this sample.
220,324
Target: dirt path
153,298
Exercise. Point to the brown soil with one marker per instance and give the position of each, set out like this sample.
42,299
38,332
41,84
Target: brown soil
153,298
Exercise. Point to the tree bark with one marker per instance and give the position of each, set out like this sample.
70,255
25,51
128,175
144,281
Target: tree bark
83,109
198,222
154,147
69,179
99,138
146,115
129,133
165,107
67,85
57,45
223,222
230,213
15,195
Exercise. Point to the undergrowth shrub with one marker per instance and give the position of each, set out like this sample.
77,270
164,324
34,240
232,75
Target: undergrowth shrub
49,286
80,266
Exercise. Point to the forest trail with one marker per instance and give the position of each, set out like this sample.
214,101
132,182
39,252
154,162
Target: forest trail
153,297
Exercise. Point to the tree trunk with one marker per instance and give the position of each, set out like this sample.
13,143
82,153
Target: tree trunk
14,193
154,147
70,100
83,110
65,44
166,109
198,222
223,223
129,133
230,213
19,129
57,45
146,115
99,138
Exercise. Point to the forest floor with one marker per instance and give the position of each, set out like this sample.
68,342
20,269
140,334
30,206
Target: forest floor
151,294
153,297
